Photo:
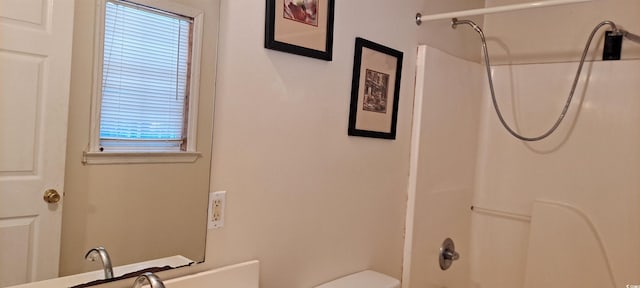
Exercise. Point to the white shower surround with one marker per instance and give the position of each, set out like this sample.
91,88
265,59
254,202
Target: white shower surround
590,163
589,166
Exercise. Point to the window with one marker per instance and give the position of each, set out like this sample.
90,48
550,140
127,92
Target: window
146,80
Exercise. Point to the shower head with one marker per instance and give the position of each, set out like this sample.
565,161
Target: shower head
617,31
630,36
455,22
612,49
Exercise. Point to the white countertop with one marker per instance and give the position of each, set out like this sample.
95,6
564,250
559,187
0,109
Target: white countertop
72,280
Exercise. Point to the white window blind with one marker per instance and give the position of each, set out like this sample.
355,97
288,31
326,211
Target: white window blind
145,78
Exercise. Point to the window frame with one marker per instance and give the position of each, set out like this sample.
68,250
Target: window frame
93,155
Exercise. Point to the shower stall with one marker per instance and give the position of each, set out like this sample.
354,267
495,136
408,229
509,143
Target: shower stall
562,210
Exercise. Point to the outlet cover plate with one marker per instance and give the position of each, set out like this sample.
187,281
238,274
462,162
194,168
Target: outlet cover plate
217,203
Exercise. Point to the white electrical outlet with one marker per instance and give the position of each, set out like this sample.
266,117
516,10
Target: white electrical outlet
216,209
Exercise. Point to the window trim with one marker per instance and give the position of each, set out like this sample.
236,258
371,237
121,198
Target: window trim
93,155
139,157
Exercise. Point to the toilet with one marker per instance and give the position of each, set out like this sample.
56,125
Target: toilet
364,279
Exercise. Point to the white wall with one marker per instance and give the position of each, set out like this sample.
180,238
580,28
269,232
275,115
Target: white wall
304,198
313,204
308,201
302,195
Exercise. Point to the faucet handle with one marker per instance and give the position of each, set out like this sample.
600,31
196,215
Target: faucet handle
448,254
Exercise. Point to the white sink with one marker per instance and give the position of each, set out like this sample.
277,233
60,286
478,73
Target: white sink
72,280
243,275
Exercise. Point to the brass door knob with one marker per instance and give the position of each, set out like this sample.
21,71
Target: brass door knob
51,196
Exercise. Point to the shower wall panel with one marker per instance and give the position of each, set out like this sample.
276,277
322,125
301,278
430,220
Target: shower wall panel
591,164
446,168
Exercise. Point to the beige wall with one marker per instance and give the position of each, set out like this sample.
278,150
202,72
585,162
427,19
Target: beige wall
138,212
557,34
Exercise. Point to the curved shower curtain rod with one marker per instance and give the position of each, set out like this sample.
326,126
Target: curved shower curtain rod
513,7
497,9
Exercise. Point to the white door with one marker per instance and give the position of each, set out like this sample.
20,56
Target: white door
35,63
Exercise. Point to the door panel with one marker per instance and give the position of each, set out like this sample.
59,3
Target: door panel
35,61
16,238
26,13
20,88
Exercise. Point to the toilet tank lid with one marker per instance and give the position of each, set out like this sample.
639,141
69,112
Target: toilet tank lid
367,278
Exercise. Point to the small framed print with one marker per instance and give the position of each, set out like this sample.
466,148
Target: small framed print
302,27
375,90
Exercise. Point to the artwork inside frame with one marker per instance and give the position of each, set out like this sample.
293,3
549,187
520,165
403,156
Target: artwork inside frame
375,90
302,27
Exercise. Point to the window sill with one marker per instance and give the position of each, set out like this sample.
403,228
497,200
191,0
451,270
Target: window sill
97,158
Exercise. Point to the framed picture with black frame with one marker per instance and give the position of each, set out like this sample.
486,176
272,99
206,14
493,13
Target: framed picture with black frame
375,90
302,27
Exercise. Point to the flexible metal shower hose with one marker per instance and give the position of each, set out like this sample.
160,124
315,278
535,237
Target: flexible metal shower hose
553,128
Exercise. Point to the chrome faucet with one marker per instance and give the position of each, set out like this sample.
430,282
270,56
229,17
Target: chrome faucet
154,281
101,253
